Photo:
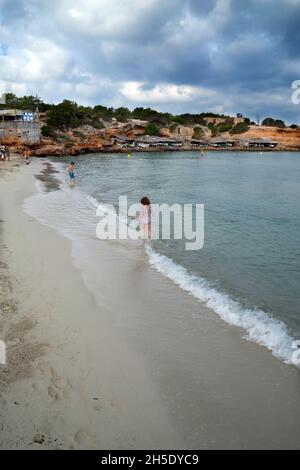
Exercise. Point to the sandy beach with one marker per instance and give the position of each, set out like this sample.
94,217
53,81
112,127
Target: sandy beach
123,369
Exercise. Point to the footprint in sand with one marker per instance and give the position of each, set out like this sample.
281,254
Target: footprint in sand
85,439
5,307
40,438
58,388
55,393
13,342
60,383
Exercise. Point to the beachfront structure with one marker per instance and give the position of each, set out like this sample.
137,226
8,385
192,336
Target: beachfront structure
124,141
262,143
19,126
148,141
196,143
222,143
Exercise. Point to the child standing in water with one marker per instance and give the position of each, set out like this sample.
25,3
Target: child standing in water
145,218
26,156
71,168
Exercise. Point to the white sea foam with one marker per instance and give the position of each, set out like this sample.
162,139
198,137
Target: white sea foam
68,211
260,326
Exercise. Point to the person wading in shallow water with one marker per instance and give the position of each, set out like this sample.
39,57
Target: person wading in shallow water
71,168
26,156
145,219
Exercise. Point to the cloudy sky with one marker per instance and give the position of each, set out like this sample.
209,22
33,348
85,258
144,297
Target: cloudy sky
173,55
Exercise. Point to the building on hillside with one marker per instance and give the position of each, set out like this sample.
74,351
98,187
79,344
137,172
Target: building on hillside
219,120
214,120
19,126
238,120
183,132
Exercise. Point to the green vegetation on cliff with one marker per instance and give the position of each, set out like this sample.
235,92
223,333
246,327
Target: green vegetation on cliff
152,129
240,128
69,115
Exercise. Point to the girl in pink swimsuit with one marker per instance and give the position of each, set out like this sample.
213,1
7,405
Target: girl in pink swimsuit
145,218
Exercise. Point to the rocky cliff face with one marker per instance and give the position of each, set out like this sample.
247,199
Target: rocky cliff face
288,139
112,138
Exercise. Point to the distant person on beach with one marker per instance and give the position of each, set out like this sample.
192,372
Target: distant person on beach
2,154
145,218
7,152
71,168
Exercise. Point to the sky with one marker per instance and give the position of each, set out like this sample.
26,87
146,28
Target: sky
224,56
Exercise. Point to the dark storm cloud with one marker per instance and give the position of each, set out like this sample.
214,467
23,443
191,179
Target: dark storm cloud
228,54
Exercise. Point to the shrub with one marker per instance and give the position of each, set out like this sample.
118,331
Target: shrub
47,131
97,124
273,122
224,127
240,128
122,114
213,129
152,129
65,115
198,133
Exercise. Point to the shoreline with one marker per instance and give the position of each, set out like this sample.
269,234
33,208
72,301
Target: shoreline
70,396
120,370
41,154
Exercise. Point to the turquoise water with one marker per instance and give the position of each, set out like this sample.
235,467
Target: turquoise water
252,216
249,268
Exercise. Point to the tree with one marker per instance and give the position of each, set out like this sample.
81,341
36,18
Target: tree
29,103
213,129
198,133
152,129
64,115
224,127
294,126
47,131
103,112
122,114
240,128
273,122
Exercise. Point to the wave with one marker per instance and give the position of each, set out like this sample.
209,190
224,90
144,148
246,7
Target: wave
260,326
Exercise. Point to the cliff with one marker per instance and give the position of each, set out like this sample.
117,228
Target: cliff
122,137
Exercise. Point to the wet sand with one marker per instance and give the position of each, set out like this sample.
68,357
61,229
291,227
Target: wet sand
139,364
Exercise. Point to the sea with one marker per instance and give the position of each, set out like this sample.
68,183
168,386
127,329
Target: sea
248,271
